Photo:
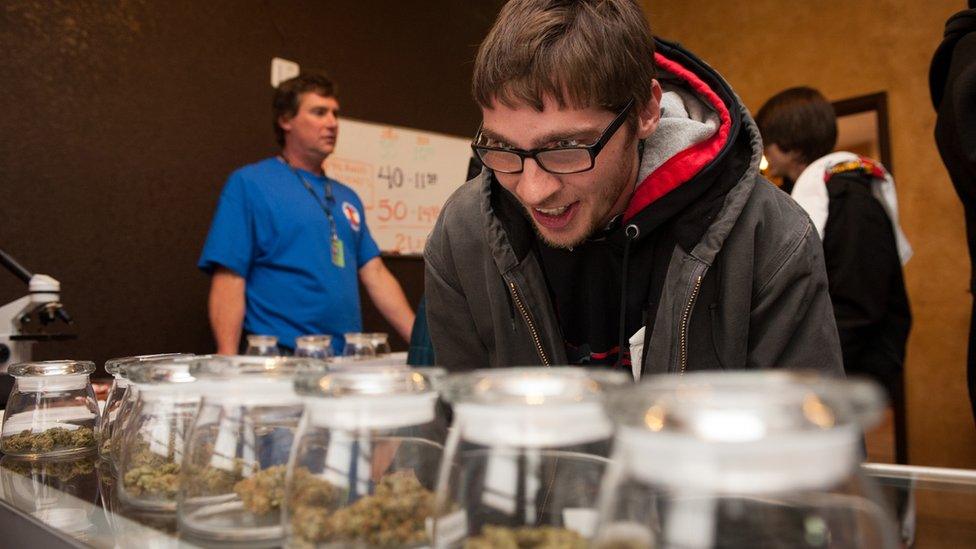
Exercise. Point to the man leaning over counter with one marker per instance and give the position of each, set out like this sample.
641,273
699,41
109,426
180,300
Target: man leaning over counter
621,219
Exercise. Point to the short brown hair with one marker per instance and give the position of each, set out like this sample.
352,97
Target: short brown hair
582,53
288,97
799,119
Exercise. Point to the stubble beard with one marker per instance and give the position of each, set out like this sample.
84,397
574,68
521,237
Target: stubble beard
604,202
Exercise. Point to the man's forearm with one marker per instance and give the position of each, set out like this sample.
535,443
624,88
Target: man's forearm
226,311
388,296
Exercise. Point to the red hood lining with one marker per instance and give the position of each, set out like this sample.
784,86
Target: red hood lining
687,163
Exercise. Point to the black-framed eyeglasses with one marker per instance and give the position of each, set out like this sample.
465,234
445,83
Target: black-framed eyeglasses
557,160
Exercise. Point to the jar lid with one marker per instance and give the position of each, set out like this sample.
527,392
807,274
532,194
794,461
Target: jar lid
743,432
219,366
531,386
114,365
743,406
313,340
364,382
164,371
502,406
52,368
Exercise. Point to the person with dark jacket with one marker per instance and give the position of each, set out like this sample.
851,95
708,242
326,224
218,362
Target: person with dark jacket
852,203
952,83
620,219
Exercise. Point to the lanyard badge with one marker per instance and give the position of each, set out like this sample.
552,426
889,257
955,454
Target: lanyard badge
336,245
338,254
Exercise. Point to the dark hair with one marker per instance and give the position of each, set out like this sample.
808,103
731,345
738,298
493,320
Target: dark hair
799,119
288,97
582,53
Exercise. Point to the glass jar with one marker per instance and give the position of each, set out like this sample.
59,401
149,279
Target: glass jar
381,343
358,347
262,345
527,452
51,411
314,346
152,444
365,461
110,412
741,460
233,474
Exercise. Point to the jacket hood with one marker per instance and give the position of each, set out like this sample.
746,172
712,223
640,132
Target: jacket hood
702,120
957,26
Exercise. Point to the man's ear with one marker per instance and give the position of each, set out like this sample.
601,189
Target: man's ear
285,122
649,114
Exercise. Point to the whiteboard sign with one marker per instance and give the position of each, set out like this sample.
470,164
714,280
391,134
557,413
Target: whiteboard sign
403,177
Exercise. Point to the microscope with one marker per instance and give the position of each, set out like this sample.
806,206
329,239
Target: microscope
25,321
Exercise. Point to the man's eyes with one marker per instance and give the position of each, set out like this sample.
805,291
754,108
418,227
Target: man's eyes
562,143
494,143
566,143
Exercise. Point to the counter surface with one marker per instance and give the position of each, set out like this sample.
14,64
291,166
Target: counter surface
71,504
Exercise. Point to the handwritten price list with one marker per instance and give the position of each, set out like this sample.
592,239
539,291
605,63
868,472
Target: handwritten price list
403,177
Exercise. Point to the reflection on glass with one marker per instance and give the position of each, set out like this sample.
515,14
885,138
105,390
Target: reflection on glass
52,490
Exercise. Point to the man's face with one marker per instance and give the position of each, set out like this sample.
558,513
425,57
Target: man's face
314,128
780,162
566,209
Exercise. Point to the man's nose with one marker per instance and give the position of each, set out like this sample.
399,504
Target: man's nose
536,186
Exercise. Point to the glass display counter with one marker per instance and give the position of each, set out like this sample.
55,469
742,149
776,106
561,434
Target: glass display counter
71,503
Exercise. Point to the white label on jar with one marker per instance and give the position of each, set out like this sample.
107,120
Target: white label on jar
582,520
451,528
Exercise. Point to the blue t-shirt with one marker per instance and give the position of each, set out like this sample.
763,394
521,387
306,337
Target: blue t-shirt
269,230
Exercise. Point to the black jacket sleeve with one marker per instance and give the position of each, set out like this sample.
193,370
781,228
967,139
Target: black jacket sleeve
860,254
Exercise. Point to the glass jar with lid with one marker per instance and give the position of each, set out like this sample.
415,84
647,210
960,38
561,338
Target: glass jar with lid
314,346
365,461
51,411
110,412
152,440
525,459
741,460
262,345
381,343
358,346
233,472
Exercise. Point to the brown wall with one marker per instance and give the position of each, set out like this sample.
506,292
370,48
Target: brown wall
848,49
121,119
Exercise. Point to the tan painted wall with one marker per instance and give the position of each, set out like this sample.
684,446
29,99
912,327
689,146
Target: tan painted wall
847,49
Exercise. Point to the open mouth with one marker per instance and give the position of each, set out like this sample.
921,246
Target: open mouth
555,218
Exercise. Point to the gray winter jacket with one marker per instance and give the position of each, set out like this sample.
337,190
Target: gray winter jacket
488,303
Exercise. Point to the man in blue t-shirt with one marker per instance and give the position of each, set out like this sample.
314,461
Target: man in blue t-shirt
288,244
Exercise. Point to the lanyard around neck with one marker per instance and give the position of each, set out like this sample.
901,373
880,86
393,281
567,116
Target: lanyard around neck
325,205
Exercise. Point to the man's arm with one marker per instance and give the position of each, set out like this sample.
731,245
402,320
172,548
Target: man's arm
452,330
792,322
226,308
387,295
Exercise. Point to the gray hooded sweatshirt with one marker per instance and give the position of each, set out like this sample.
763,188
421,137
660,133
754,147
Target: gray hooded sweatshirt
761,259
